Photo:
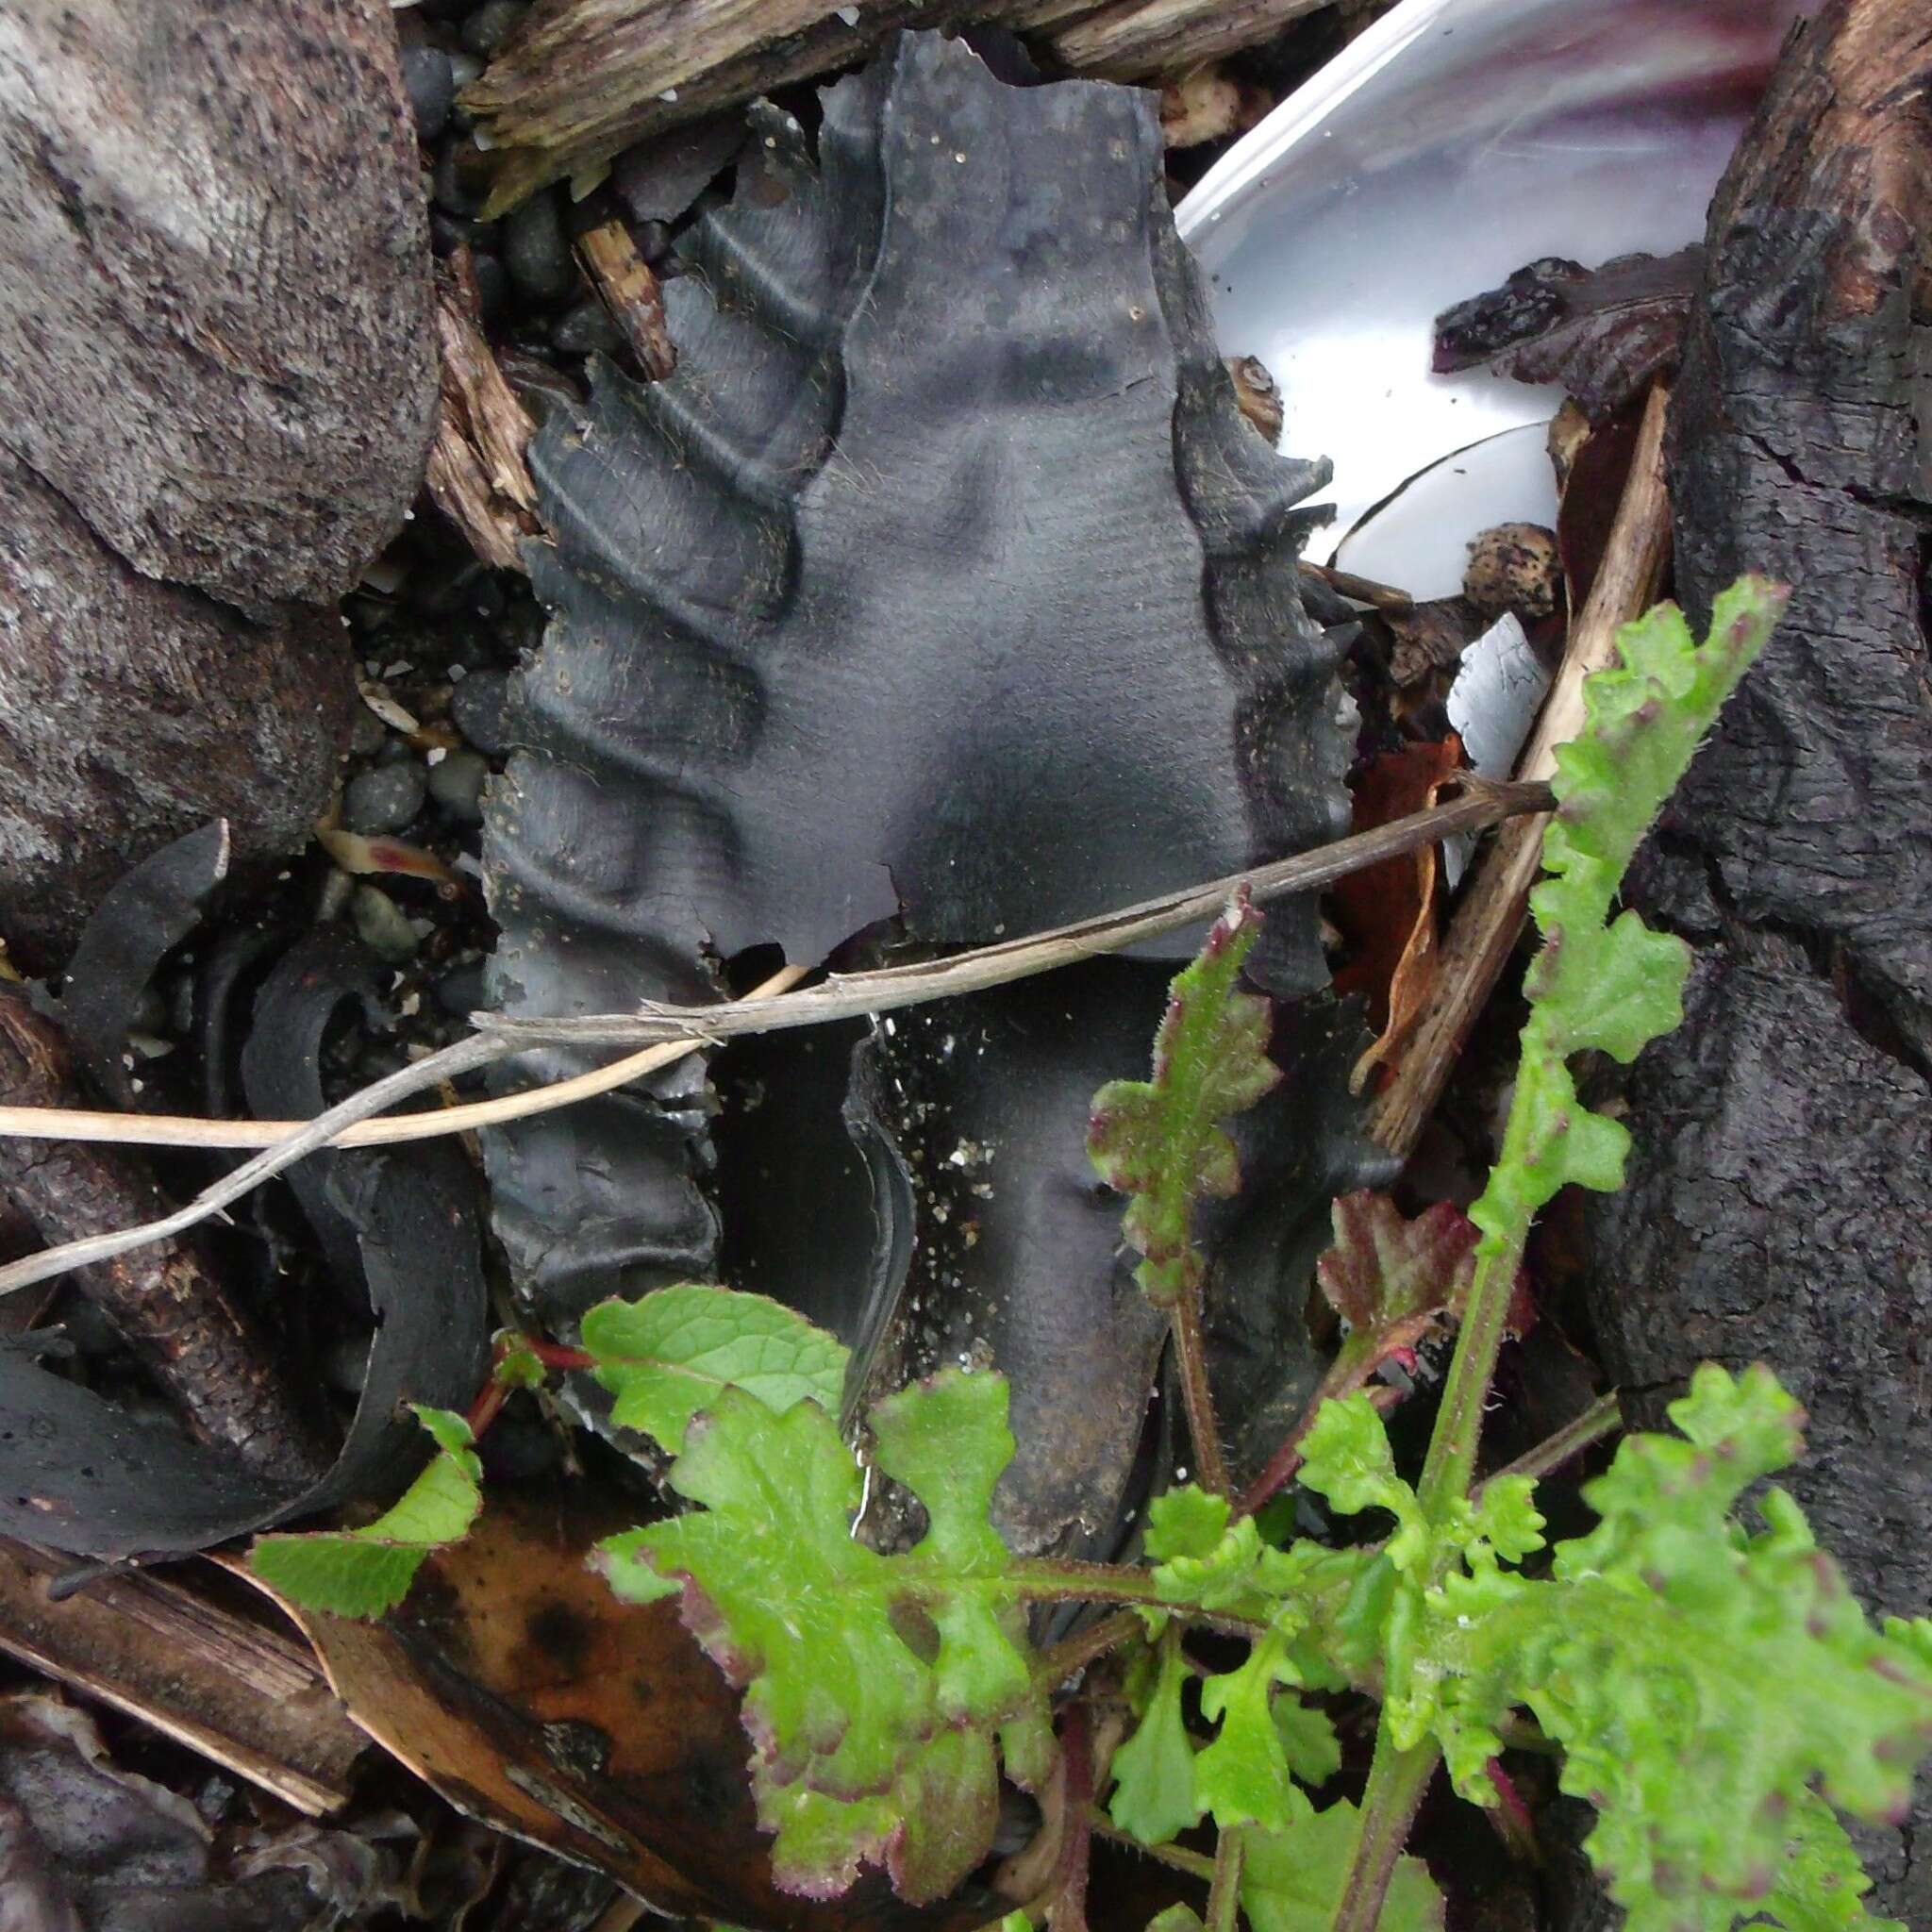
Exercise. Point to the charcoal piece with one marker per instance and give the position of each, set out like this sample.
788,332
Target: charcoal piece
1299,1148
1602,333
1009,1246
214,285
942,583
132,712
142,918
660,179
1779,1196
78,1473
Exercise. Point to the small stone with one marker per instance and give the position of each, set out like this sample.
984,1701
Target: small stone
456,785
464,67
382,926
492,24
366,733
475,708
431,89
536,251
460,182
493,285
1517,568
586,329
384,799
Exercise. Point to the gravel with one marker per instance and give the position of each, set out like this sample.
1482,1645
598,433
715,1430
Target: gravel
536,251
492,24
456,783
431,89
384,799
475,708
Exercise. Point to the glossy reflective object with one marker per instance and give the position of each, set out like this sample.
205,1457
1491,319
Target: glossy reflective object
1451,143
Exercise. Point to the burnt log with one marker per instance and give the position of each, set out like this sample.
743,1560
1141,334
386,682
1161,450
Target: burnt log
1779,1200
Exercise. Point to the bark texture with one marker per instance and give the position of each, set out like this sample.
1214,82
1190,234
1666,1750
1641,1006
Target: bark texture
133,711
1779,1204
215,336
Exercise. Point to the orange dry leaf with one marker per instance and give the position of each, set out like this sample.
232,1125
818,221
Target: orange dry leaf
1387,912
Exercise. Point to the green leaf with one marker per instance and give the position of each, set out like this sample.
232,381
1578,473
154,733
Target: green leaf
669,1353
1242,1777
518,1366
1160,1142
1595,984
881,1692
1154,1770
1309,1740
1175,1919
1705,1680
1293,1880
363,1573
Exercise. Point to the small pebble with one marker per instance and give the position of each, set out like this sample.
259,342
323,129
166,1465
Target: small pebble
366,733
491,26
493,285
382,925
586,327
475,708
536,252
456,785
460,182
431,89
384,799
464,67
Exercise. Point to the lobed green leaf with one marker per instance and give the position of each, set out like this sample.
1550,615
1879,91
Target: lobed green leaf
882,1692
1159,1141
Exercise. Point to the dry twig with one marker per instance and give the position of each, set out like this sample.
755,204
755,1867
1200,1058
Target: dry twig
691,1029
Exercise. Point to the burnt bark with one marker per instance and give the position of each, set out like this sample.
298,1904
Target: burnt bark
1779,1198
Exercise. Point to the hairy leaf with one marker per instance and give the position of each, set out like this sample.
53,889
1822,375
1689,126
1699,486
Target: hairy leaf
1159,1141
1709,1683
1293,1880
362,1573
1598,985
881,1691
670,1354
1705,1679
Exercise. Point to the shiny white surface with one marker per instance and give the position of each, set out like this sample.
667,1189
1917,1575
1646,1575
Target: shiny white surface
1451,143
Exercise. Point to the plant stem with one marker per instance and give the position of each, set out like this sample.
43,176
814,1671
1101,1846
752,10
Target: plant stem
1190,1359
1604,1417
1074,1654
1192,1863
1225,1897
1397,1780
1451,1461
1058,1577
